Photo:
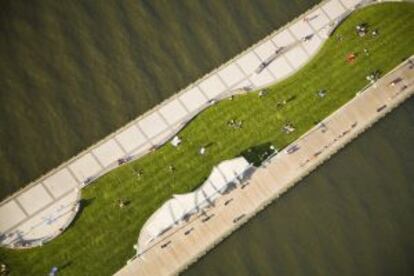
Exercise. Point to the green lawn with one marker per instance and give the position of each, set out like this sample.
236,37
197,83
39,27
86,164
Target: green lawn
72,72
101,239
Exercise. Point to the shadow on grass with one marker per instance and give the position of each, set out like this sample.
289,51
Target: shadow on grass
65,265
257,154
83,203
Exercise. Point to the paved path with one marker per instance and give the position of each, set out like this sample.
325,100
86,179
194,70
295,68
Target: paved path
177,249
32,207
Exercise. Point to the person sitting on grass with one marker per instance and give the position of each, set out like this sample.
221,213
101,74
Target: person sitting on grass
321,93
262,92
3,269
139,173
53,271
171,168
351,58
122,203
281,103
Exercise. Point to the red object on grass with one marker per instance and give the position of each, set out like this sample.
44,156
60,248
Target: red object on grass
351,58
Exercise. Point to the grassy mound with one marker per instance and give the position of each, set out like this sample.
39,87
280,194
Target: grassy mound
101,239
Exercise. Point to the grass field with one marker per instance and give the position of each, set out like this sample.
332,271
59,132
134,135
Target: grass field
74,71
100,240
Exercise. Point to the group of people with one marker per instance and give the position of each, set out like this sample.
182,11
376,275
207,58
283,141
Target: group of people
288,128
362,30
374,76
236,124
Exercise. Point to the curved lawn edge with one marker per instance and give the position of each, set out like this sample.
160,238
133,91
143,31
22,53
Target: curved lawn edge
94,240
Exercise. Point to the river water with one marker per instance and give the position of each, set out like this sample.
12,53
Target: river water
352,216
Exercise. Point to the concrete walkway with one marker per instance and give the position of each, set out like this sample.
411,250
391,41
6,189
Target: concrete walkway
43,208
176,250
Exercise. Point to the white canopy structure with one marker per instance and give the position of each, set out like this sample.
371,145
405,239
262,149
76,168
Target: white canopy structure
178,208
